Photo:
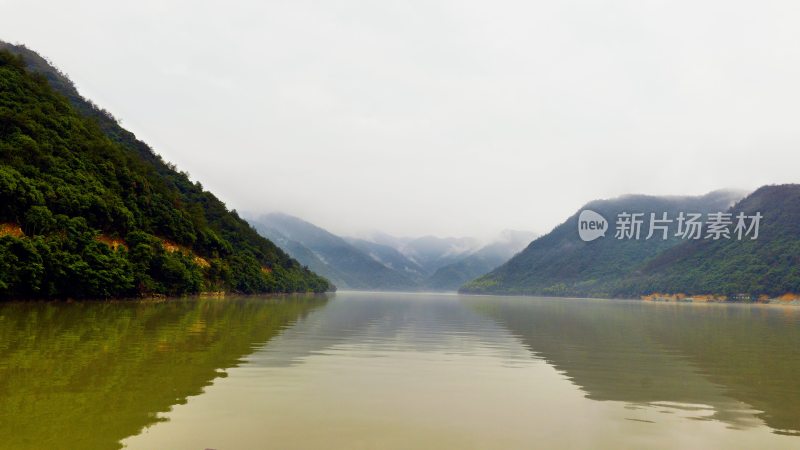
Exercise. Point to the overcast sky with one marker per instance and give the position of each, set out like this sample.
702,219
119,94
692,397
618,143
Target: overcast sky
439,117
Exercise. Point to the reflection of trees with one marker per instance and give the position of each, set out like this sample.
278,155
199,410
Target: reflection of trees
644,353
86,375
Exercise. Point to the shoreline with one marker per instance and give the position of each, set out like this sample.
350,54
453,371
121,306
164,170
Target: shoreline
784,300
166,298
788,299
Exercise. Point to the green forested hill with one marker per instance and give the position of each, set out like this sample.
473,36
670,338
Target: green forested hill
560,264
768,265
86,210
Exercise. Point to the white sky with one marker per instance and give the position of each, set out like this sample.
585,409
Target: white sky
439,117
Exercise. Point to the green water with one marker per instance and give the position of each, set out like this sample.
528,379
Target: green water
364,370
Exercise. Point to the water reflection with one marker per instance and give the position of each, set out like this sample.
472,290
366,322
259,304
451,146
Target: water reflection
366,370
433,371
380,325
85,375
731,363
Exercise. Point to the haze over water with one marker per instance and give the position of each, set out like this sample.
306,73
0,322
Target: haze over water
391,370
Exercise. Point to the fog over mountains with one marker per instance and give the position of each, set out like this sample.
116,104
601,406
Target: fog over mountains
384,262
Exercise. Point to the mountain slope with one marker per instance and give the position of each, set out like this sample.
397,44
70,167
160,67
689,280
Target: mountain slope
768,265
432,253
560,263
303,254
341,261
453,276
389,257
89,211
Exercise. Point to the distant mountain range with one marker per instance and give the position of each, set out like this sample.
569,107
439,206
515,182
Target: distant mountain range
561,264
390,257
325,253
385,262
452,276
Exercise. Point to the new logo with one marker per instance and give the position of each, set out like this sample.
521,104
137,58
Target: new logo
591,225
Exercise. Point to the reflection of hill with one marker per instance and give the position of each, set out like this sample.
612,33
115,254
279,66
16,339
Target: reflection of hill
644,353
87,375
387,321
752,351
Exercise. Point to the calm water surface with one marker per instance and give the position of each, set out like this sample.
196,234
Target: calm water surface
365,370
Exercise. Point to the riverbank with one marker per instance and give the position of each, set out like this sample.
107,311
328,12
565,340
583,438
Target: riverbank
785,299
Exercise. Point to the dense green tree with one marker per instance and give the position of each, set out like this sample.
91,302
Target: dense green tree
88,211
